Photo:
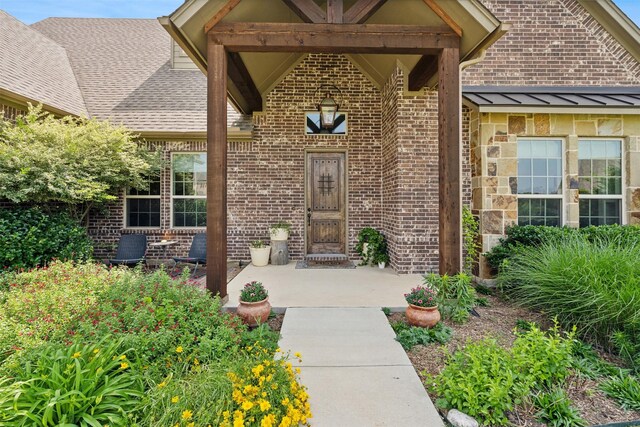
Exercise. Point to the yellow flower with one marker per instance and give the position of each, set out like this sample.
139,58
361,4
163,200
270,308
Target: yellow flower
186,415
278,350
124,365
226,414
191,424
123,357
297,354
286,422
246,405
179,349
196,362
297,370
175,399
95,351
162,384
264,405
76,354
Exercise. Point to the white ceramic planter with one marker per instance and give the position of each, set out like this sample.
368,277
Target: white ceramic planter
382,264
260,256
279,234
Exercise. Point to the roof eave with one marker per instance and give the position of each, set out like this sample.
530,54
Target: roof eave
23,100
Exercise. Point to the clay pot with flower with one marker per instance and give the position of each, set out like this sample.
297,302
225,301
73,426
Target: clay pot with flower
423,309
254,304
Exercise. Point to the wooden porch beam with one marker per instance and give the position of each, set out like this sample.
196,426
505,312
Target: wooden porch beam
435,7
426,68
332,38
228,7
307,10
217,170
335,11
449,163
362,10
240,76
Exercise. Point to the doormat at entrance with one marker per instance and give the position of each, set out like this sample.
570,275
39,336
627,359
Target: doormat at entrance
324,265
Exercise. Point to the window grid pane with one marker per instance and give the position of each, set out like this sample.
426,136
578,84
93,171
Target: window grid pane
143,212
540,211
539,166
153,188
600,212
189,189
600,167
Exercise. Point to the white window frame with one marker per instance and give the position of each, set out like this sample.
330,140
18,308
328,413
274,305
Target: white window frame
623,207
133,196
172,196
563,159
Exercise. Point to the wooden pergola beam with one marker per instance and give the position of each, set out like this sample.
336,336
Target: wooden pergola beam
426,68
307,10
335,11
435,7
217,170
362,10
449,161
224,11
240,76
332,38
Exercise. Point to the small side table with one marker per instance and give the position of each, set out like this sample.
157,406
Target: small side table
164,244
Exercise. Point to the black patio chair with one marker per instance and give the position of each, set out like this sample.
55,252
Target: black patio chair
197,252
132,249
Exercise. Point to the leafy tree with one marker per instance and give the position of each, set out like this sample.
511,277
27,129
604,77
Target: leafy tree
79,162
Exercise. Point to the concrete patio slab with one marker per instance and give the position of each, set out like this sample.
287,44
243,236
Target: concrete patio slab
359,287
357,374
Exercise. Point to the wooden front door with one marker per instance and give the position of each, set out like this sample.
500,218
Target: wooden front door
326,203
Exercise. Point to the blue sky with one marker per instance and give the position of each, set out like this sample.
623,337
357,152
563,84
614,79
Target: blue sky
30,11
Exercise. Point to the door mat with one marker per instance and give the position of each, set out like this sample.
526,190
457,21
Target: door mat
324,265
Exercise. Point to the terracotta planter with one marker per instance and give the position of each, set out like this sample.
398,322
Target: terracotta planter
424,317
279,234
260,256
253,313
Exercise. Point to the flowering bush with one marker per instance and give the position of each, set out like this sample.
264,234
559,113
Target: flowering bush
253,292
422,297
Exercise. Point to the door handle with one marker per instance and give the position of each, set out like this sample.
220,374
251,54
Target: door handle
309,217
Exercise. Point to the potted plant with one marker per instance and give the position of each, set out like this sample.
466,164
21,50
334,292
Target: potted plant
280,230
423,308
381,258
259,253
254,304
370,241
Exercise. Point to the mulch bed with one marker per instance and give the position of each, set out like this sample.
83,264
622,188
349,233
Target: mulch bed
498,320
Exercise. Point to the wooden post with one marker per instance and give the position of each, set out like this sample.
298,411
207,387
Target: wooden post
449,148
216,169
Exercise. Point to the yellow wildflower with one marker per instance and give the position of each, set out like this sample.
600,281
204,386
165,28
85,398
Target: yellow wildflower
186,415
286,422
124,365
162,384
226,414
179,349
95,351
191,424
246,405
268,421
175,399
297,354
76,354
196,362
123,357
264,405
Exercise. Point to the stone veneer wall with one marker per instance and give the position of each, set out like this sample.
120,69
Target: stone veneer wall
494,167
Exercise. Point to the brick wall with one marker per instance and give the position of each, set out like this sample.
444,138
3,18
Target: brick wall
552,42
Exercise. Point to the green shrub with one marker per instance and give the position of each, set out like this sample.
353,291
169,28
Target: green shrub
413,336
456,296
555,409
471,243
44,304
624,389
33,238
85,385
594,285
485,380
518,237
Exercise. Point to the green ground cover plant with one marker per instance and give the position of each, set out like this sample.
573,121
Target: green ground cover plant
486,380
410,336
32,237
594,285
164,346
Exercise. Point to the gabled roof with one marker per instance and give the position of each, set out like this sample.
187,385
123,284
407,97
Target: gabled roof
34,68
123,68
513,98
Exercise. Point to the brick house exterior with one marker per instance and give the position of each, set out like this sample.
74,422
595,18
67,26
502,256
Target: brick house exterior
392,138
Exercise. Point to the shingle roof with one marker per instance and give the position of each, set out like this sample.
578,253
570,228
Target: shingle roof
123,68
527,96
35,67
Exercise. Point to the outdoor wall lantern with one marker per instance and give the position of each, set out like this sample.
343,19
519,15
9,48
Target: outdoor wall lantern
328,107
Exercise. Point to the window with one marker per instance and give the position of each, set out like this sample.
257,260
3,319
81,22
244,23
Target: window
189,192
540,182
600,181
143,206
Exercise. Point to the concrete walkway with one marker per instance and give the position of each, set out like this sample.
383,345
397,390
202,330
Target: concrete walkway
359,287
357,374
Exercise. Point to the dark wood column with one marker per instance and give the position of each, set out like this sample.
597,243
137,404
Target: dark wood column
216,169
449,147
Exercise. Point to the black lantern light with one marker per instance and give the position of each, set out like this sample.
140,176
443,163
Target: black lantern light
328,107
